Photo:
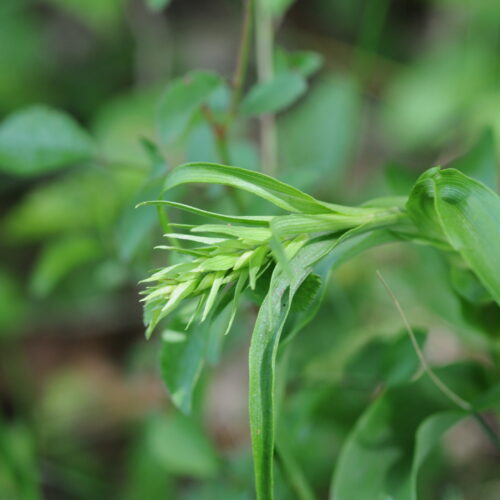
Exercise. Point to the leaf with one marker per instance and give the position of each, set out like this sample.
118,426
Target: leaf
249,220
428,435
181,100
273,96
373,462
183,354
181,364
280,194
179,446
304,62
467,213
60,258
135,223
318,137
265,338
40,139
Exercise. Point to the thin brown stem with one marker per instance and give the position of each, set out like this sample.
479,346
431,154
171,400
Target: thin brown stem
451,395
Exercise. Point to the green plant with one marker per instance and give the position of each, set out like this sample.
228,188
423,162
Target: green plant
351,408
445,209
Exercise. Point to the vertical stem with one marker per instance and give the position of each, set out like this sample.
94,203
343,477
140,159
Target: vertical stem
264,51
242,63
372,24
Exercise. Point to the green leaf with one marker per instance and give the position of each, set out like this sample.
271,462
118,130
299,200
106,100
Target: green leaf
268,188
181,364
179,446
135,223
373,462
428,435
184,354
265,338
60,258
318,137
305,63
249,220
181,100
275,95
467,213
40,139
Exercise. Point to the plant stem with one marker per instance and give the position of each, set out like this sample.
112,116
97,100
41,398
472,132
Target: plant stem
242,62
264,51
219,131
450,394
220,134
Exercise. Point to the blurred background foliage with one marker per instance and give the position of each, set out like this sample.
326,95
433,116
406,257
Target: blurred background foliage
93,118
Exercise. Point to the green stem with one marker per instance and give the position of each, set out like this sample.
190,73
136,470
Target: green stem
264,50
372,24
242,62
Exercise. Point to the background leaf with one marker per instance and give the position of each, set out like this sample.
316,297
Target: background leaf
275,95
181,100
40,139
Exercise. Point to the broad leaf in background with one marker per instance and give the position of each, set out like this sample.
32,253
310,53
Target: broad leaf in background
40,139
303,62
55,208
184,354
374,460
122,122
59,258
422,103
101,15
182,98
428,435
317,138
179,446
468,214
182,358
274,96
135,224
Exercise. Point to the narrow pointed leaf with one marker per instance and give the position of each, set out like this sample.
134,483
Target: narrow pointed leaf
280,194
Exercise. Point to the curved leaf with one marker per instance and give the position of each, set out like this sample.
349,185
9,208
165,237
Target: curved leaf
280,194
466,213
